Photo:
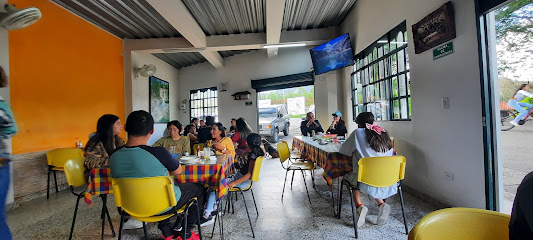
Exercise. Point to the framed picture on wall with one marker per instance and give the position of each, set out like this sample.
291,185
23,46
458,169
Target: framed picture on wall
159,100
436,28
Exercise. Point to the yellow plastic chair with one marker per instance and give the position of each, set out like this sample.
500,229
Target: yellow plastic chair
293,156
145,199
74,172
254,178
462,223
56,161
284,155
377,172
195,148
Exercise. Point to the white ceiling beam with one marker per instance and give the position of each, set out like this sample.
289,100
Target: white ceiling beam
274,20
182,20
311,37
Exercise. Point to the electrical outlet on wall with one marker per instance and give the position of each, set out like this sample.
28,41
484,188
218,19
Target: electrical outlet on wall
448,176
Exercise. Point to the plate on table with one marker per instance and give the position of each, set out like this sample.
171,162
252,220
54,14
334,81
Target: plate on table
189,159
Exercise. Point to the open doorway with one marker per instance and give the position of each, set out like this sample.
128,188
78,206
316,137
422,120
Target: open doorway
511,35
280,111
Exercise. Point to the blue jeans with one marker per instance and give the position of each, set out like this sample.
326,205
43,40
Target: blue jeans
5,234
519,106
210,205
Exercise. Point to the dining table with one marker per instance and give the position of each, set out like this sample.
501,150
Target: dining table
326,156
212,173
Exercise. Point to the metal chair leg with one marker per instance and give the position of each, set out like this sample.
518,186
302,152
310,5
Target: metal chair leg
145,231
338,215
255,205
184,228
292,180
48,186
305,183
403,211
198,221
284,182
216,218
102,216
247,213
121,225
106,212
55,180
353,213
74,218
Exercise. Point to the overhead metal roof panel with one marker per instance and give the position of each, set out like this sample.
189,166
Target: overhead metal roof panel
181,60
312,14
222,17
123,18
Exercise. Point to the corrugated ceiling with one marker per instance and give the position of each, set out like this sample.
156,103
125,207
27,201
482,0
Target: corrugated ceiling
185,59
222,17
123,18
136,19
312,14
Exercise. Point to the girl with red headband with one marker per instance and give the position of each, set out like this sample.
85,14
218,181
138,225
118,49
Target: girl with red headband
368,140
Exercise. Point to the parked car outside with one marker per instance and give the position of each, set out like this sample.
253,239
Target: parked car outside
272,120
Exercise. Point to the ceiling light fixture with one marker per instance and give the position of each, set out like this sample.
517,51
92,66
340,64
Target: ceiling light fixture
175,50
284,45
386,41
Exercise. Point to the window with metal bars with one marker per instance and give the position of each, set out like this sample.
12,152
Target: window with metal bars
203,103
380,78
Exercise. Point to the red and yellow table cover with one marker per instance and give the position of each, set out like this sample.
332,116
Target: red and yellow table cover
100,182
212,175
325,156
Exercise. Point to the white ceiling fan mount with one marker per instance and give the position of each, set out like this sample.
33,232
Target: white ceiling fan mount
146,70
15,18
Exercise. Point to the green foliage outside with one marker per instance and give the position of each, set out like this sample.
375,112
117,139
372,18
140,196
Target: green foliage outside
508,88
516,17
279,96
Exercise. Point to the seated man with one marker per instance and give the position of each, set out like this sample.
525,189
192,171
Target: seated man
204,133
310,124
137,160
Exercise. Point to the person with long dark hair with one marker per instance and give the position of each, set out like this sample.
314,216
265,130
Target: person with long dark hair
219,142
104,142
338,126
8,128
241,179
368,140
515,102
241,133
174,143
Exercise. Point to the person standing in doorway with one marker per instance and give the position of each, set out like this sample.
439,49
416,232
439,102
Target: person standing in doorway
8,128
515,103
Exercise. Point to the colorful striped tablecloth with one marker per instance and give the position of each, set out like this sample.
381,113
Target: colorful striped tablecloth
212,175
100,182
326,156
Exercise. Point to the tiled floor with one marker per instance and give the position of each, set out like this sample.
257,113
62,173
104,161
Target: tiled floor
294,218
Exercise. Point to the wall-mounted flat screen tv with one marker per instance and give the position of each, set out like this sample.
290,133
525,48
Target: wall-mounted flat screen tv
332,55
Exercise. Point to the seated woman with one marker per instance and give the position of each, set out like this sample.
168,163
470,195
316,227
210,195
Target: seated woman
241,179
369,140
337,126
175,140
104,142
310,124
241,133
220,143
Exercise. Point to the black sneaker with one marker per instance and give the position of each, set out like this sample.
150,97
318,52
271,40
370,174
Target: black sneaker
177,226
206,222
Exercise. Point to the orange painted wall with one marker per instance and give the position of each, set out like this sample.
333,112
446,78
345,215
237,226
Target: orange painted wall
64,74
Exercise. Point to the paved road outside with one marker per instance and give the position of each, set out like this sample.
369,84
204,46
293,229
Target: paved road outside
517,161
